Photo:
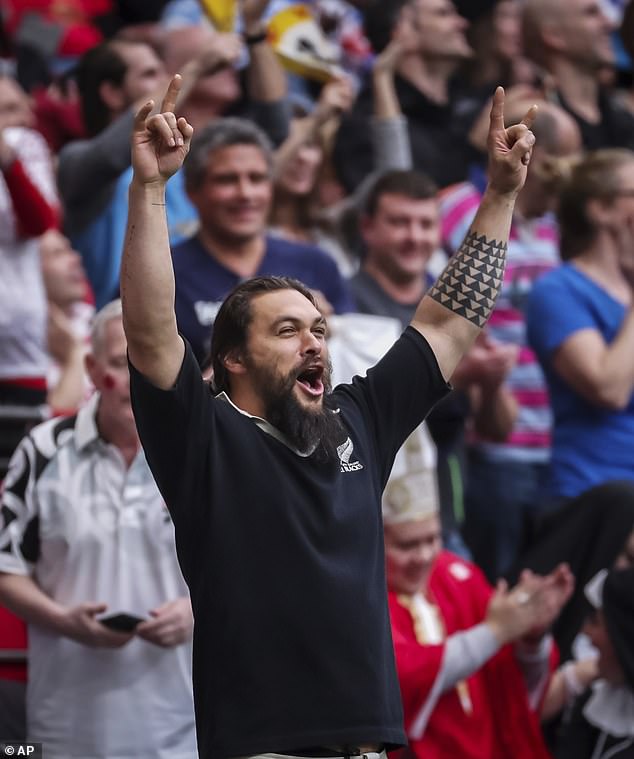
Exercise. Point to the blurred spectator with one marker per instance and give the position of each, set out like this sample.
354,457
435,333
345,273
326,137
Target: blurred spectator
426,93
495,34
211,79
602,721
594,531
50,36
57,111
252,83
507,481
28,207
84,531
466,692
401,230
15,106
70,314
114,80
571,40
296,212
93,173
228,175
580,322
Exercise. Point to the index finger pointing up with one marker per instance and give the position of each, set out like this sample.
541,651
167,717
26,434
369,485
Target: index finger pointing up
169,101
497,110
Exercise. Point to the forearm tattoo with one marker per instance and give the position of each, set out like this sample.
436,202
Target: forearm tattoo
473,278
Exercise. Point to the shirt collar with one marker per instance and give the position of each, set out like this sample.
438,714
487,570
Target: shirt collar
267,427
611,709
86,430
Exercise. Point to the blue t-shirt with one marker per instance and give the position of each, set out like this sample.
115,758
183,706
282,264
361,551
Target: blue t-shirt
101,242
591,444
202,283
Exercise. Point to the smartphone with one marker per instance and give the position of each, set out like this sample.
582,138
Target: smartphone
121,621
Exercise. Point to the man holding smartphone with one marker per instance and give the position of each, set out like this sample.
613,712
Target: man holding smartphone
87,558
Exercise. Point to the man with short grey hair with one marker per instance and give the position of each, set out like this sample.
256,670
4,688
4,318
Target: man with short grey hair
228,180
87,558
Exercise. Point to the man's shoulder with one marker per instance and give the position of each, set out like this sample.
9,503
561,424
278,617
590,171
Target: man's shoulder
456,570
44,442
557,280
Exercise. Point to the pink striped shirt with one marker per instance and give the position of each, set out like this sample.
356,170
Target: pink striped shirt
533,250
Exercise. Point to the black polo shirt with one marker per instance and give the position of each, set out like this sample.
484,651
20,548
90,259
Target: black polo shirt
284,558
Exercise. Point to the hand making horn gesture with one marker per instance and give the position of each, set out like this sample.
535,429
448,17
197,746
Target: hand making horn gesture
509,148
160,142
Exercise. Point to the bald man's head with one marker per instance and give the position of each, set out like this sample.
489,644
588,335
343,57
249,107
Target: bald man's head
577,30
557,147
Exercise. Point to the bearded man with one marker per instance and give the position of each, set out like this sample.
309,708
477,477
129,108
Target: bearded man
275,486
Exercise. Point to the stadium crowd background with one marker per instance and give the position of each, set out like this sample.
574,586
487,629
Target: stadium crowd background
371,116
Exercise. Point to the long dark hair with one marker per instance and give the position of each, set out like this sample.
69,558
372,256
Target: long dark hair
234,317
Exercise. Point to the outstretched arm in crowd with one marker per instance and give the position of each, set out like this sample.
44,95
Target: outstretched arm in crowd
26,167
159,146
451,316
391,142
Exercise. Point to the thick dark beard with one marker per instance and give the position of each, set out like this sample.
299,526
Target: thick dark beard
306,430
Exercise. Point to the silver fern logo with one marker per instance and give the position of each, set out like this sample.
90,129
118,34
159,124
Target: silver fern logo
344,451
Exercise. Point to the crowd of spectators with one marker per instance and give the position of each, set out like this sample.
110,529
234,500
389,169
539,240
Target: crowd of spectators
350,156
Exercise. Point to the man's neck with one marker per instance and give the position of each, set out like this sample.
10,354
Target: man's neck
430,77
122,436
405,292
242,257
579,88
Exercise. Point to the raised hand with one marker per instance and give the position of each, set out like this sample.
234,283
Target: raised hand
509,148
555,590
527,611
160,142
223,50
404,40
336,97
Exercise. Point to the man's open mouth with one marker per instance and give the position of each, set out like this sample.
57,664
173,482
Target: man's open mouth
311,380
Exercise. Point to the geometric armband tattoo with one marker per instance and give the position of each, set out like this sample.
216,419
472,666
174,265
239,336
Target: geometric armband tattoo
472,280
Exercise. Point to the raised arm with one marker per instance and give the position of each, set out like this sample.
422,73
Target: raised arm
451,316
390,131
266,78
336,97
159,146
